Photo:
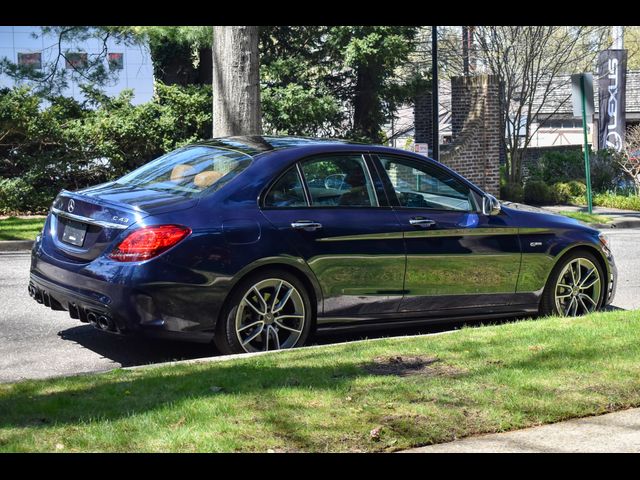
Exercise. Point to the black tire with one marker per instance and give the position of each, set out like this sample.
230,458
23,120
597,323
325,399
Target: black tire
226,338
548,301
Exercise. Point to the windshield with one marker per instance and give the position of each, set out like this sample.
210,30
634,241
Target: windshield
189,171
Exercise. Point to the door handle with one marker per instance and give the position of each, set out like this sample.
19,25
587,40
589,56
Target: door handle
306,225
421,222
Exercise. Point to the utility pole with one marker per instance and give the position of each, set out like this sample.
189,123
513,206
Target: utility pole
468,58
465,51
434,94
617,34
587,167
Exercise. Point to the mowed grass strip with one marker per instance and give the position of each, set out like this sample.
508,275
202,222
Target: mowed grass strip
340,398
586,217
15,228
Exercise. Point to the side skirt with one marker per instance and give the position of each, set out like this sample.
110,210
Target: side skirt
333,324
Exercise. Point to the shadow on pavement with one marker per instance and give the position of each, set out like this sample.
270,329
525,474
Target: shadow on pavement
136,350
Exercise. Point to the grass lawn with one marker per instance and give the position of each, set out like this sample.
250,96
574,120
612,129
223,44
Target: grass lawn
586,217
14,228
340,398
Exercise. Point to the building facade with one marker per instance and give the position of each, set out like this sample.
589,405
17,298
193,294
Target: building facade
27,46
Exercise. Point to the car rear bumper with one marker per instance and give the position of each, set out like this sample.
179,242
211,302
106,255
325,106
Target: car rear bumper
119,298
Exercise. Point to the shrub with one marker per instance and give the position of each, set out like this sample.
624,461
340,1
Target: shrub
537,192
561,193
513,192
558,166
17,195
577,188
625,202
606,171
568,166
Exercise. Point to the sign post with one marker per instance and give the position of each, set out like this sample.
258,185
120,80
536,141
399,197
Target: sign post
582,96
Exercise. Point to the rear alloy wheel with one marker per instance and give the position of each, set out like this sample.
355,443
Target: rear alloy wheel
575,287
268,312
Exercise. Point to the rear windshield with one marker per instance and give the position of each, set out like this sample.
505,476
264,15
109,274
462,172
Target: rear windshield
189,171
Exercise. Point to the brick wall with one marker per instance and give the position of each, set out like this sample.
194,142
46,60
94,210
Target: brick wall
477,128
423,119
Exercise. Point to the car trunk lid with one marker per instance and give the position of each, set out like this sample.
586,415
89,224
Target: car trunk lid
83,224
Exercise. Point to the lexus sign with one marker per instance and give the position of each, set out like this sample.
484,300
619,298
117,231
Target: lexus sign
612,69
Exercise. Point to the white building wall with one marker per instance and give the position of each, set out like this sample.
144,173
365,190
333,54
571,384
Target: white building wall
136,74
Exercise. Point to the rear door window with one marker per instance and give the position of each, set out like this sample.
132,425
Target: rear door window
339,181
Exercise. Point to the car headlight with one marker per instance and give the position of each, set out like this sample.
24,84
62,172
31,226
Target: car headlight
605,242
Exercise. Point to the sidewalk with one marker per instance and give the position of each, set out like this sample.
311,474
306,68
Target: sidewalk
613,432
619,218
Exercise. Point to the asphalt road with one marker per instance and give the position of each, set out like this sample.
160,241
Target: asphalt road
36,342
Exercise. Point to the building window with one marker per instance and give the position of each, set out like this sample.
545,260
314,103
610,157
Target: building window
116,61
30,60
76,60
562,123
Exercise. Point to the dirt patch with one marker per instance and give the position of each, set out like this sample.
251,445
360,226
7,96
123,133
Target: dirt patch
403,366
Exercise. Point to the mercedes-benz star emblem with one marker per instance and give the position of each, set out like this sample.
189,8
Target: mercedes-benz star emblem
71,205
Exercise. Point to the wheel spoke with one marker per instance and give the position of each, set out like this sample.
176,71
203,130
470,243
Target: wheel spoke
254,336
584,307
584,296
573,274
275,336
253,307
575,306
275,297
284,301
262,301
250,325
568,310
586,277
282,325
585,287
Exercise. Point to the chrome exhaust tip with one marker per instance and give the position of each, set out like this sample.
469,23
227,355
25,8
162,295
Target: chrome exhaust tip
93,319
105,322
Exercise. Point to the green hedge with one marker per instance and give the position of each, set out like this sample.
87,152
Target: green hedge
58,142
611,200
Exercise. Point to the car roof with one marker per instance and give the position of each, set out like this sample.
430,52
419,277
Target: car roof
254,145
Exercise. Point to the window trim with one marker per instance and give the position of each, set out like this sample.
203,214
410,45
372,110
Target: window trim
391,193
265,193
298,166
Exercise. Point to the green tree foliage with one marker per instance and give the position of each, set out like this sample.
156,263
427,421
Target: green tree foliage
343,81
63,143
181,55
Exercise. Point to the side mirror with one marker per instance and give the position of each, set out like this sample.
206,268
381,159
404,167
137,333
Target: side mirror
490,205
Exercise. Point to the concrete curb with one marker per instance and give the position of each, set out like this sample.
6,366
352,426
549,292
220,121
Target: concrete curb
618,224
15,245
635,223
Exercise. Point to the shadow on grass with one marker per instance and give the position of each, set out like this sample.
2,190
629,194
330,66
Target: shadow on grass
125,393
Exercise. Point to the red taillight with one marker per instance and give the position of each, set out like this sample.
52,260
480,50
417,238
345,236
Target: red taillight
148,242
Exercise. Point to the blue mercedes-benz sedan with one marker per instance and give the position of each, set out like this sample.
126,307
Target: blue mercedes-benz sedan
256,242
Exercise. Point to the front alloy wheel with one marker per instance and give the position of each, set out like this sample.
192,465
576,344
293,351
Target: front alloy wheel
578,288
575,286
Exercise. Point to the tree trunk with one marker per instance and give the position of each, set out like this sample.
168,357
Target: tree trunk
236,81
366,122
